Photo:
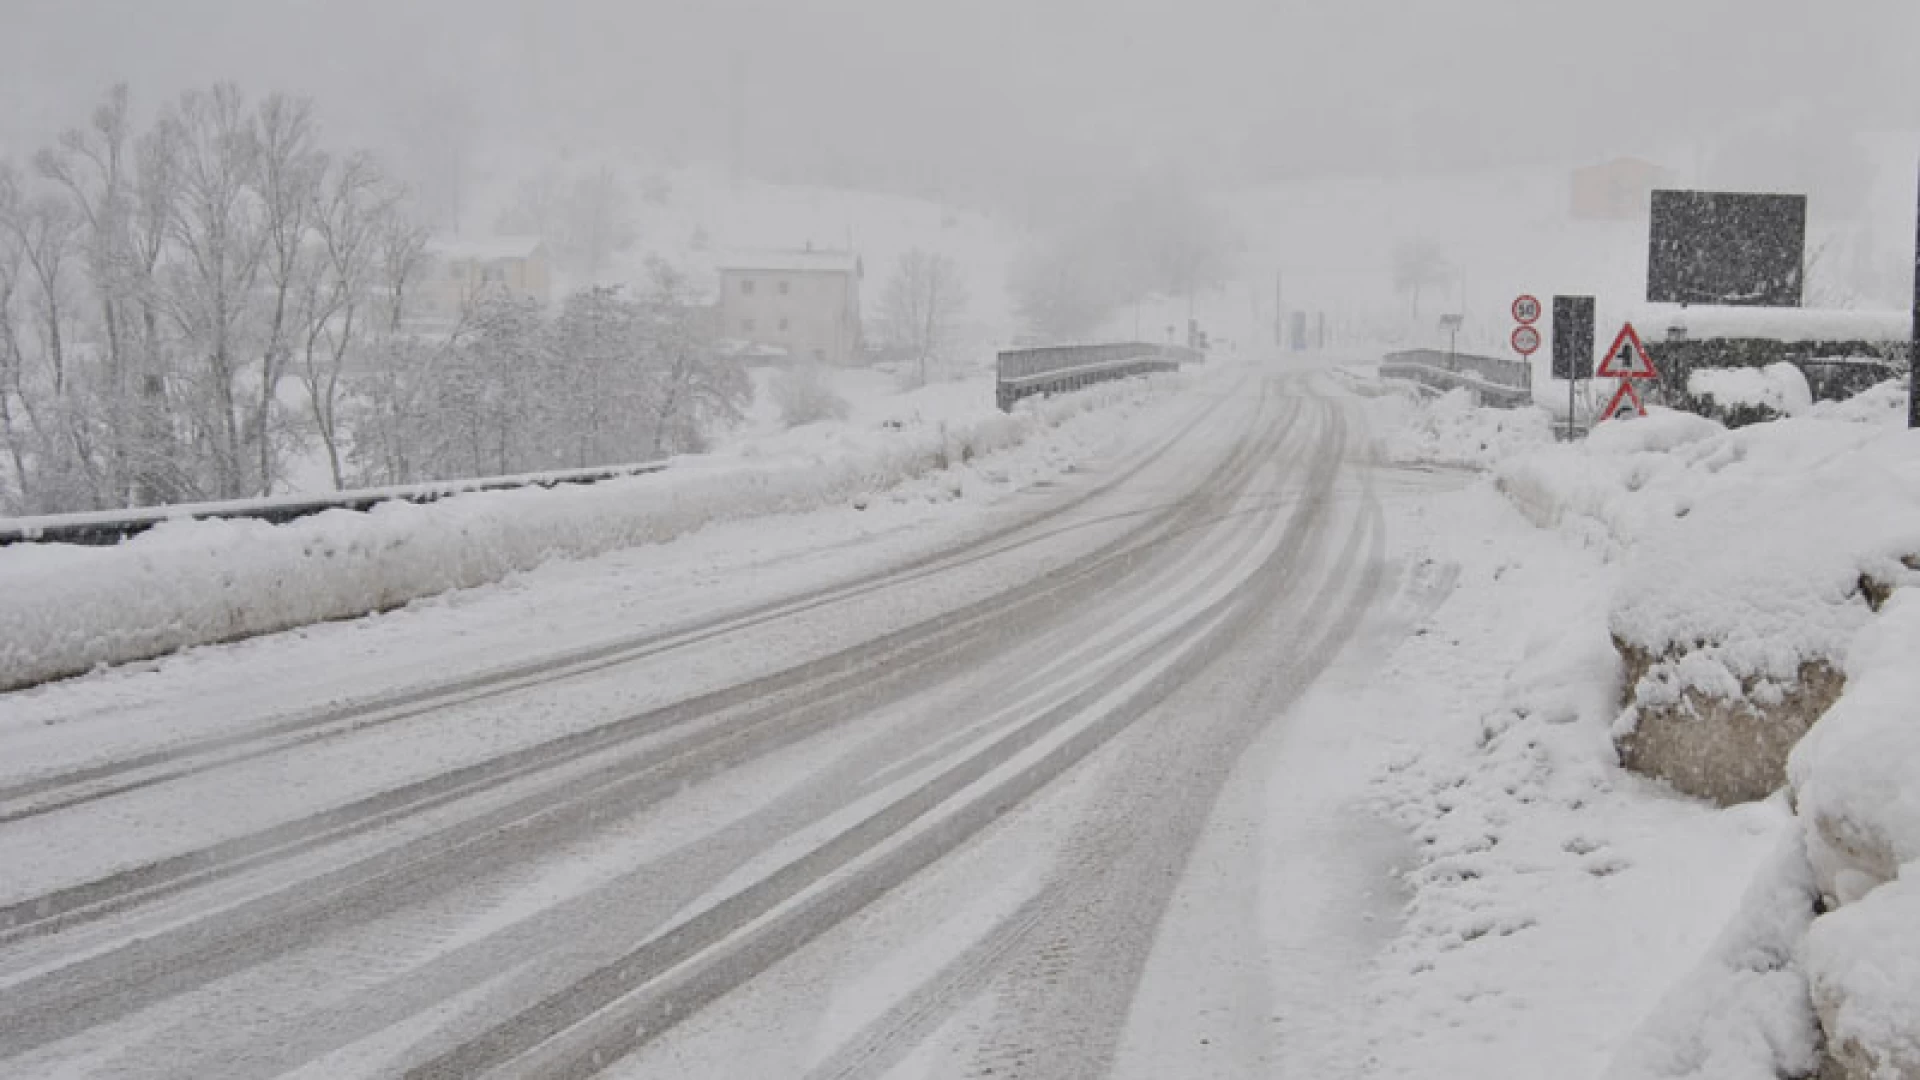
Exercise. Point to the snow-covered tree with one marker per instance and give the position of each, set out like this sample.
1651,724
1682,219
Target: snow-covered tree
692,387
922,307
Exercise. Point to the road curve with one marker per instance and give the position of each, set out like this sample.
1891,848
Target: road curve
941,841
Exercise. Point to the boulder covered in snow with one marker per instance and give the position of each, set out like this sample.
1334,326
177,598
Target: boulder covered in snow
1856,783
1779,543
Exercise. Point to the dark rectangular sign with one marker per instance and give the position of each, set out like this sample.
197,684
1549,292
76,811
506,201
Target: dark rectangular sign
1573,337
1716,247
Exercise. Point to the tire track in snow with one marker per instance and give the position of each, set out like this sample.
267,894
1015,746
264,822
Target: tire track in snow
69,906
88,993
631,1001
43,795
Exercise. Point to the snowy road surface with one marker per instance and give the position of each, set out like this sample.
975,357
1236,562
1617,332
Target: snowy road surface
945,815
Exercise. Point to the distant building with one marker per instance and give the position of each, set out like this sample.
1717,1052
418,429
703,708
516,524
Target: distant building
459,270
1620,190
804,305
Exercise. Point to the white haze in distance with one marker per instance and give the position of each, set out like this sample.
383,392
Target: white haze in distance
995,100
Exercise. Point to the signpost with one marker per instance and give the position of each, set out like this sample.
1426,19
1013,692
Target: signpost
1526,340
1526,312
1626,360
1451,324
1572,345
1913,349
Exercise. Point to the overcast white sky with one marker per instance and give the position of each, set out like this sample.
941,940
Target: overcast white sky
971,95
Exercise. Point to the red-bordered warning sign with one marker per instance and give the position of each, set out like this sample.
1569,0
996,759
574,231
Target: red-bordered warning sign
1622,396
1627,358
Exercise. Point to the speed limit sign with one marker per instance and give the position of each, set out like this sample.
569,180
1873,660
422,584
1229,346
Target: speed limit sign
1526,310
1526,340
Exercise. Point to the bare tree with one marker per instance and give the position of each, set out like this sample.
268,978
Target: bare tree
90,168
353,213
289,173
693,388
922,307
585,222
13,423
216,223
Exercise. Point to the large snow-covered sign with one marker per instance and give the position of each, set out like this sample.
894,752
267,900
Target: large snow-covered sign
1717,247
1573,337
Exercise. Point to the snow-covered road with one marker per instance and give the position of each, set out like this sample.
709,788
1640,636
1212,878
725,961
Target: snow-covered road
921,802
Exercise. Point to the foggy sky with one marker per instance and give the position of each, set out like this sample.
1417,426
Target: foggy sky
992,96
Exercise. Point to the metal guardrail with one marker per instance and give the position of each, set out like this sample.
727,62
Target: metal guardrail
100,528
1501,383
1054,368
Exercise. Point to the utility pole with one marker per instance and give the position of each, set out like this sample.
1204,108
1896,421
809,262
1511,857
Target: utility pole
1279,312
1913,344
737,118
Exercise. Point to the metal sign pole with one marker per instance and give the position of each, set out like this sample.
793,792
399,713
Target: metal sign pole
1571,381
1913,346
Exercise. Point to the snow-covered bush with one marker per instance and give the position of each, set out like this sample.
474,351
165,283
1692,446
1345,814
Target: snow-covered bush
1741,396
806,395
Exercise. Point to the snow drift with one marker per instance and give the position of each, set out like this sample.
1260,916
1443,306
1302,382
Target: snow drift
69,609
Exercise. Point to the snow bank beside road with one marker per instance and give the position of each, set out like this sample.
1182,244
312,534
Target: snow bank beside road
1730,564
1749,553
1450,430
1770,587
1552,897
68,609
1854,780
1743,1013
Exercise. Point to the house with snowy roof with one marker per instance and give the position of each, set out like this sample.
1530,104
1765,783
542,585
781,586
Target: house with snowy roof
459,270
798,305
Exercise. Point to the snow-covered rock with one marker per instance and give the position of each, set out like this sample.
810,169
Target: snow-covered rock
1864,965
1856,781
1751,560
1856,777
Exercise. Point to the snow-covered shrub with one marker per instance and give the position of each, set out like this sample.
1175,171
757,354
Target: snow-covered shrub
806,395
1741,396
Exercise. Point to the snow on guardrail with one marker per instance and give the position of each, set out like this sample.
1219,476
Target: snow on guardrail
113,526
1023,373
69,608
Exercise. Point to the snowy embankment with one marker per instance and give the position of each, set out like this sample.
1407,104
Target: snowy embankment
1728,575
69,609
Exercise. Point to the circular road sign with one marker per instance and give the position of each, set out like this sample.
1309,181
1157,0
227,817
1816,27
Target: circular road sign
1526,340
1526,310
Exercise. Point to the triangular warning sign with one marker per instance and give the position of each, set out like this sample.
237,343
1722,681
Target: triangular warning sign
1621,397
1627,359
